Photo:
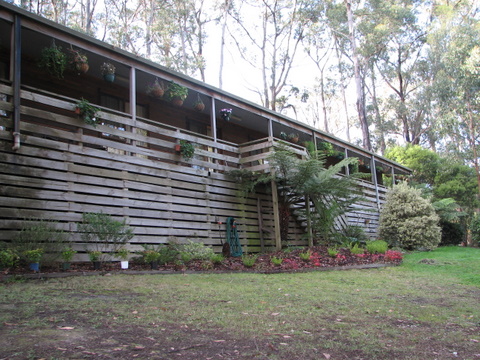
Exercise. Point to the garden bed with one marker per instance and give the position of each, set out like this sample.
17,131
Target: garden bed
275,262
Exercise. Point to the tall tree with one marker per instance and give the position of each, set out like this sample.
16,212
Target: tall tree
274,41
458,81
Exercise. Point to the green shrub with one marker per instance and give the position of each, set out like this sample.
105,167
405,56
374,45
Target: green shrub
196,251
305,256
8,259
354,234
377,247
332,252
355,249
166,254
475,229
216,258
249,260
39,234
409,221
276,261
150,255
100,232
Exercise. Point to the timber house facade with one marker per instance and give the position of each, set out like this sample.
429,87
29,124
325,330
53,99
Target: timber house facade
53,165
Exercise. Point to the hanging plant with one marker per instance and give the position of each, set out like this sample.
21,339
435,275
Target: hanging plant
187,150
293,137
225,114
156,90
87,111
176,93
53,60
198,105
108,71
78,61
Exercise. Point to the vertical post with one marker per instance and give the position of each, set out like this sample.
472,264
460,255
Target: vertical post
347,170
309,222
17,60
213,120
374,176
270,128
276,216
133,94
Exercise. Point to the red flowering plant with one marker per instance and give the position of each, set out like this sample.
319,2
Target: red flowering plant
393,256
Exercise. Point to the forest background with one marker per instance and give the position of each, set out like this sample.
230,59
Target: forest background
397,77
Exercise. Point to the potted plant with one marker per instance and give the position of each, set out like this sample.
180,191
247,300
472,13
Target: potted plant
151,257
53,60
33,258
293,137
176,93
198,105
79,61
67,256
156,90
108,71
225,114
186,149
87,111
94,257
283,135
122,253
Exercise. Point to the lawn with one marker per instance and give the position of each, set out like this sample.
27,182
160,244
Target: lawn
427,308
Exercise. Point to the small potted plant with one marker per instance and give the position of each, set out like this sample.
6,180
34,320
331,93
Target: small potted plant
108,71
176,93
33,258
283,135
186,149
151,257
94,257
198,105
87,111
67,256
122,253
53,60
156,90
79,61
225,114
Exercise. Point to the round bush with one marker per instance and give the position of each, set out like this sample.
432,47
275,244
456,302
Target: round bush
409,221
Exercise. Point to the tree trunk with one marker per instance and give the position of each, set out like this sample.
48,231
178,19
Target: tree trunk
362,116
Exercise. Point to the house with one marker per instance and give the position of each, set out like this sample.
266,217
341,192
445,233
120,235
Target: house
124,159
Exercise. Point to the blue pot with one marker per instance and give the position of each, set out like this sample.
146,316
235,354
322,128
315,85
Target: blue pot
109,77
34,266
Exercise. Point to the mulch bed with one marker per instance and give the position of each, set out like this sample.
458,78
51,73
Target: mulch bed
291,262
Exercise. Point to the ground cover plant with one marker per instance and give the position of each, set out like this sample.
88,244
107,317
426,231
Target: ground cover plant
427,308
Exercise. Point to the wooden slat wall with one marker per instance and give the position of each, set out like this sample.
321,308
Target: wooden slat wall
65,168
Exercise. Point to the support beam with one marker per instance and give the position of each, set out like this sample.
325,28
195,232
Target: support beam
17,61
374,179
276,216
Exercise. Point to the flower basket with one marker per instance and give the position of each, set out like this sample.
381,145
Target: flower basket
78,61
176,94
199,105
156,90
225,114
108,71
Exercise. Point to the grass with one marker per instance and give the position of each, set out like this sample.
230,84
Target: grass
420,310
